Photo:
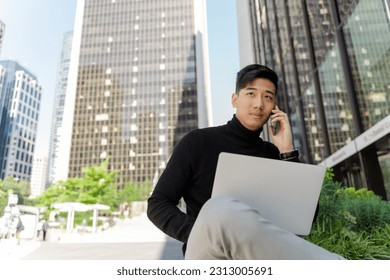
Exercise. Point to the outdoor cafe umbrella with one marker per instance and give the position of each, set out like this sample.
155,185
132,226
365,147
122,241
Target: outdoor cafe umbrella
96,207
71,208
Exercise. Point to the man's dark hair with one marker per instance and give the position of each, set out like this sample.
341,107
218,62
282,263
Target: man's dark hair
252,72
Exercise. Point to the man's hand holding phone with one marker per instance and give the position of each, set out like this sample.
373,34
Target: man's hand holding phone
275,126
280,130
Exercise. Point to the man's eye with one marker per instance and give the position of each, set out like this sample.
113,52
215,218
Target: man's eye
250,93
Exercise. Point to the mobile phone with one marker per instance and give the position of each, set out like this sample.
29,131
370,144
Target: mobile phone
275,127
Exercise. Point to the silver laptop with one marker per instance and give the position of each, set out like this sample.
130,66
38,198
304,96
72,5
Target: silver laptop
286,193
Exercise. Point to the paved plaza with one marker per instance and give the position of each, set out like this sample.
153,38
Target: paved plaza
130,239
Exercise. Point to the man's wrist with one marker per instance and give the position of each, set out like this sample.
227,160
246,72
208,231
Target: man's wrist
289,155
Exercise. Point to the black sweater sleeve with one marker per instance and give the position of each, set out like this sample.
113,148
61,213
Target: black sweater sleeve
162,205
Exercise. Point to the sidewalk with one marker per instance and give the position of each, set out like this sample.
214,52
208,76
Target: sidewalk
10,250
138,231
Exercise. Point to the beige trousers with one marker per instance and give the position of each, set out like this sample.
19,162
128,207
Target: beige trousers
229,229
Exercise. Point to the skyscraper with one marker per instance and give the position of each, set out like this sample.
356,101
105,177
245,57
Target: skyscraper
38,175
333,60
138,83
19,104
59,103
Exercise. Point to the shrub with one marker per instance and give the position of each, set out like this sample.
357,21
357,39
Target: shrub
350,222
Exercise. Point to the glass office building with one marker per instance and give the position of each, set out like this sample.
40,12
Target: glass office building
333,58
59,104
20,98
138,82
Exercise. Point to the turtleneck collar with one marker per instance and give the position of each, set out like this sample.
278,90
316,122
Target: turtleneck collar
240,131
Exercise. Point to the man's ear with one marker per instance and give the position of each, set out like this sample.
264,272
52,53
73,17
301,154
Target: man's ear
234,99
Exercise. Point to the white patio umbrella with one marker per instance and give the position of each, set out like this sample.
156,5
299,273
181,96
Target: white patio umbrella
96,207
70,207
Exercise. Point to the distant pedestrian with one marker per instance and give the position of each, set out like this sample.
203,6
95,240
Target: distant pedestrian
39,229
45,228
19,229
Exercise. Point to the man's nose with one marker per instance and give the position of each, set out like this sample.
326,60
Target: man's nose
259,103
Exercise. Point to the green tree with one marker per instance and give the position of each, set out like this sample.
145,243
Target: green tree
97,185
3,201
19,187
55,193
134,192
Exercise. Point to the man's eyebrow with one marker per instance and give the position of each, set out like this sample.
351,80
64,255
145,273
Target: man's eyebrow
259,88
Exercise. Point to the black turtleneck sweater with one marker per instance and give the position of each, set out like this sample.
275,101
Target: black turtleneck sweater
191,169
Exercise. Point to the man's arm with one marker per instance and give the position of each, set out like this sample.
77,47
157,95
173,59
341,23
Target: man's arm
283,139
162,205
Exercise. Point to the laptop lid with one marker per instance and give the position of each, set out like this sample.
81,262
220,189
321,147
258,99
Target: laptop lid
286,193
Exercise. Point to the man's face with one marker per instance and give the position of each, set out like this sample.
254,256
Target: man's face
254,103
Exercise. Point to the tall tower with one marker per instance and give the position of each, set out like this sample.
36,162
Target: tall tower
38,175
20,104
333,60
141,82
59,103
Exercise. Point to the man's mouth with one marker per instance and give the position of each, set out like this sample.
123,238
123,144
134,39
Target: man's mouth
259,116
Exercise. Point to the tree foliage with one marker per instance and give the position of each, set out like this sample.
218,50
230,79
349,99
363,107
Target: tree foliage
98,185
19,187
134,192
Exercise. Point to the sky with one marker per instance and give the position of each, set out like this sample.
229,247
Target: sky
33,38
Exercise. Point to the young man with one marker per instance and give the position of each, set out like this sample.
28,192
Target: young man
225,228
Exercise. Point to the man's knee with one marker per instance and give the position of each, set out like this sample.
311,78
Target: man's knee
223,211
217,209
